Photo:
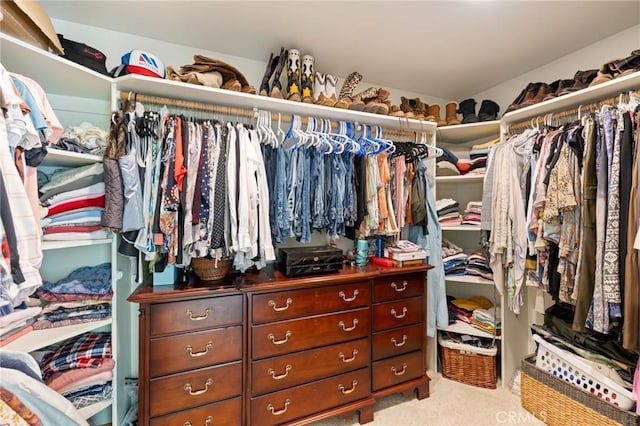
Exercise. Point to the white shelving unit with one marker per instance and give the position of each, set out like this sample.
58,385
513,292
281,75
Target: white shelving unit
469,279
76,94
464,328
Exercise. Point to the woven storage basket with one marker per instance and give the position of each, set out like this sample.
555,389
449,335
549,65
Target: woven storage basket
211,269
468,364
558,403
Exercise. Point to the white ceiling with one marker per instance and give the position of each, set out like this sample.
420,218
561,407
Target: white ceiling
448,49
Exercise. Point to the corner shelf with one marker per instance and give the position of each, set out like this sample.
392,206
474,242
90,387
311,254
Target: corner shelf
461,228
470,279
460,178
463,133
38,339
464,328
60,158
55,245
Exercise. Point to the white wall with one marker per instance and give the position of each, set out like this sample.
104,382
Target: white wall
114,44
618,45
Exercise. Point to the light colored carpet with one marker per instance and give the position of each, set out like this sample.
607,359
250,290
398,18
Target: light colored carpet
449,404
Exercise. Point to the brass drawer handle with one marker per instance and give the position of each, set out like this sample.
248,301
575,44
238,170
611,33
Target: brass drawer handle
353,356
208,383
272,373
271,408
350,299
341,324
200,318
281,308
189,350
348,391
207,421
271,337
401,372
395,287
395,342
397,315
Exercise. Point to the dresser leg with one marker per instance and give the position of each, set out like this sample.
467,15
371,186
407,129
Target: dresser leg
366,414
423,390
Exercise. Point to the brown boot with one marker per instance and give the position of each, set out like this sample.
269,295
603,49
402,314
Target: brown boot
418,107
434,111
451,115
359,100
406,108
377,104
395,111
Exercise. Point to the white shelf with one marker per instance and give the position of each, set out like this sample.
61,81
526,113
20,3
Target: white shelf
60,158
54,73
464,328
37,339
471,279
93,409
463,133
462,179
461,228
190,92
581,97
55,245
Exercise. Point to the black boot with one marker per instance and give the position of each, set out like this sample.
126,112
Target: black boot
272,63
488,110
468,110
276,87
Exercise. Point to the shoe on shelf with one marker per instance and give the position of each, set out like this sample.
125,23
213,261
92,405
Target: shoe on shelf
488,110
419,108
451,115
468,110
395,111
306,79
557,87
272,64
348,86
628,65
276,86
534,98
406,108
359,100
330,97
434,111
293,76
377,104
581,80
319,84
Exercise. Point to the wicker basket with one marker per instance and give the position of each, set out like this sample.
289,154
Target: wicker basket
211,269
468,364
558,403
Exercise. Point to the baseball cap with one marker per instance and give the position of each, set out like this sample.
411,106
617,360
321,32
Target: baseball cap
140,62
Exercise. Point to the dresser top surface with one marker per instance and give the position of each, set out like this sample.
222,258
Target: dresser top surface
267,279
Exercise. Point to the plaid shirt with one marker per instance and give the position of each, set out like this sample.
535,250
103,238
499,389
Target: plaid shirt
84,351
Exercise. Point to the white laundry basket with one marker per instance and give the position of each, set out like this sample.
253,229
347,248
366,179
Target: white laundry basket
571,368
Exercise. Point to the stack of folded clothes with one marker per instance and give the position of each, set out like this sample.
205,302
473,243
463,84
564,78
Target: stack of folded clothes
460,163
17,323
82,296
479,154
448,212
85,139
477,311
477,264
81,369
473,213
453,259
72,204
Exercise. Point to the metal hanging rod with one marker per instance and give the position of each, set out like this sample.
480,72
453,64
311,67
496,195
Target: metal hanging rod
249,113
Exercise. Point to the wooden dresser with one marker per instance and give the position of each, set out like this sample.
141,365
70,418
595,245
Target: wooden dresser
264,349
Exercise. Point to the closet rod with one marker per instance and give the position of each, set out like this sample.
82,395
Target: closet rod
560,117
243,112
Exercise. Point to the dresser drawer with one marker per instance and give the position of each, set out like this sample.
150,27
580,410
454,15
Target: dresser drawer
310,332
398,369
194,350
397,341
293,304
176,317
286,371
300,401
194,388
393,287
398,313
228,413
